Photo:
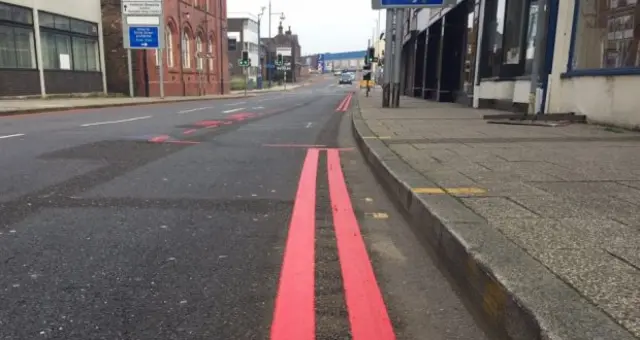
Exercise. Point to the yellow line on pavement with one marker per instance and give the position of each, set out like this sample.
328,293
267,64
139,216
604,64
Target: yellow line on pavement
454,191
378,215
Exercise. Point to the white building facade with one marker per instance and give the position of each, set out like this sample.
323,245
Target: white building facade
248,37
51,47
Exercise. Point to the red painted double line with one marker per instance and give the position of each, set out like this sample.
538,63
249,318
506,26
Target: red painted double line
294,315
344,104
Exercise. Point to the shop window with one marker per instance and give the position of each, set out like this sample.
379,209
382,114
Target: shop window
17,47
606,35
494,31
68,44
513,31
531,37
510,38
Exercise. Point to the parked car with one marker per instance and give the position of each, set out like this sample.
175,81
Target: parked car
345,78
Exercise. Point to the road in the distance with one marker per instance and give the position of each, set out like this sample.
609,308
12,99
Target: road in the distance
235,219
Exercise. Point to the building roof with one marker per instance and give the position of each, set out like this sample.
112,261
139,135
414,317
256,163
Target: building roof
345,55
242,15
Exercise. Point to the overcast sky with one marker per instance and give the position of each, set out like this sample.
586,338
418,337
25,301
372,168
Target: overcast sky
325,26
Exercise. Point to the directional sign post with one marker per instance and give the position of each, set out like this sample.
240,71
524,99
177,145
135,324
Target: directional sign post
143,29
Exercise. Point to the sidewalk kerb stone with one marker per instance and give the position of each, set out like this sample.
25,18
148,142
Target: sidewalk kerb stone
516,294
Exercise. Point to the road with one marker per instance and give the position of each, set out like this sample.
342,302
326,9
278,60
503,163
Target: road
250,218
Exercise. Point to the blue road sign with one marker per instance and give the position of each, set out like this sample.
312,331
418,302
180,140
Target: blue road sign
380,4
144,37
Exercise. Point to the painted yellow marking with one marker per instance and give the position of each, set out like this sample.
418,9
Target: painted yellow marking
465,191
378,215
494,301
454,191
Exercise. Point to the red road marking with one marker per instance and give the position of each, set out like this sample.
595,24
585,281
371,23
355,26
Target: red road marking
367,312
344,104
208,123
339,108
159,139
190,131
294,315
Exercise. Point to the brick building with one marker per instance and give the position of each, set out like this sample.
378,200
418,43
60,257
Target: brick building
287,42
195,54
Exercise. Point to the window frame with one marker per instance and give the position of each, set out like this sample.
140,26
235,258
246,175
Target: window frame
504,71
72,34
590,72
20,24
185,50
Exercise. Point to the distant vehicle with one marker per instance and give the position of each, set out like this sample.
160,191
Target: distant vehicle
345,78
337,73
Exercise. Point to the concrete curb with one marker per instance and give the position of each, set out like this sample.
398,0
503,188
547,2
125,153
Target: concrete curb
514,293
99,106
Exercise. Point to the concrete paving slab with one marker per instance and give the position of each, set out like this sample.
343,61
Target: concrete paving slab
547,247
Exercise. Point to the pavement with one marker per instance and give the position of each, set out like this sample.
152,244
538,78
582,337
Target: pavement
235,218
539,226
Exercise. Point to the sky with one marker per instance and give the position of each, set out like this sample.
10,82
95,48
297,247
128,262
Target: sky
327,26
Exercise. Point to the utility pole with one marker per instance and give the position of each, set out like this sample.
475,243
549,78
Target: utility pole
388,59
397,58
538,69
259,47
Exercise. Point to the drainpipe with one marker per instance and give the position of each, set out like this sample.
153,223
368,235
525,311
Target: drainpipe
538,68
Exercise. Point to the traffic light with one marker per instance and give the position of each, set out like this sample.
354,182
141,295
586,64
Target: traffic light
371,54
280,60
245,61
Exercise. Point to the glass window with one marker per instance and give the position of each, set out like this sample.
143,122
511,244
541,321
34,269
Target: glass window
607,37
46,19
17,49
169,46
7,47
186,55
62,23
513,30
494,26
56,51
531,36
80,58
199,55
210,50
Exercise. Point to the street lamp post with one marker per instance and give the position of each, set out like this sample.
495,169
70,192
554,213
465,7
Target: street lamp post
270,73
259,49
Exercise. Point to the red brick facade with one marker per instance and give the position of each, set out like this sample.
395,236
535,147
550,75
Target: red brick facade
197,20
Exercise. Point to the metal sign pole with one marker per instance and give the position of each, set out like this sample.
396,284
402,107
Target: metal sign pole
388,59
246,80
397,58
161,69
130,71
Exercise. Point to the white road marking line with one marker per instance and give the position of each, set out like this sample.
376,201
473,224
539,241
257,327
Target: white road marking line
11,136
196,109
233,110
309,124
116,121
234,104
257,108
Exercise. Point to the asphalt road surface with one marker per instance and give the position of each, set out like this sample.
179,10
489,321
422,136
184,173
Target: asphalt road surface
251,218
